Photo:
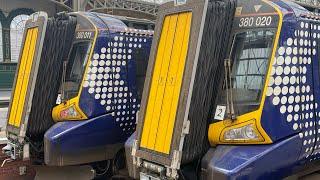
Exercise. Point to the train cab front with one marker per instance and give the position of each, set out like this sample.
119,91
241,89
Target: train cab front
71,120
99,93
254,132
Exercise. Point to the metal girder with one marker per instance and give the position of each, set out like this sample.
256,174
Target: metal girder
313,4
145,6
151,6
64,3
133,5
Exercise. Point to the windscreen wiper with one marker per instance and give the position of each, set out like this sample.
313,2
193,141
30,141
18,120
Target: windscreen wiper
228,83
64,72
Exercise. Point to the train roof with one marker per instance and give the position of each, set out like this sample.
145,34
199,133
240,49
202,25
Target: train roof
298,9
104,21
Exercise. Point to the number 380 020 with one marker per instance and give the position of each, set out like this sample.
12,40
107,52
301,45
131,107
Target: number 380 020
255,21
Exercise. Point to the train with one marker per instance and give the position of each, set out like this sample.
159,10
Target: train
77,89
257,118
222,89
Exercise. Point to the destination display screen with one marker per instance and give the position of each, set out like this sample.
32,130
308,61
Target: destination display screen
84,35
270,21
255,14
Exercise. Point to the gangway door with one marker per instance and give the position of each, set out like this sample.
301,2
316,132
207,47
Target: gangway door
185,66
46,43
27,70
166,83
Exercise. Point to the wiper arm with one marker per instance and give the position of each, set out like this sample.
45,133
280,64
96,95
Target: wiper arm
64,72
228,82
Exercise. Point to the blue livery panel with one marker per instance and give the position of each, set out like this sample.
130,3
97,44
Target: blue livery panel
252,162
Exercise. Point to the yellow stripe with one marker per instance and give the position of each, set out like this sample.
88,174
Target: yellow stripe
166,83
23,77
274,50
25,84
162,81
172,91
77,99
177,87
154,83
16,95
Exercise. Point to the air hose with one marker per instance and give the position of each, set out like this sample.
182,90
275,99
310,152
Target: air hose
209,73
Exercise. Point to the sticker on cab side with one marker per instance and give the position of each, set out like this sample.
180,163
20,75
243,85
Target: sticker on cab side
220,111
83,35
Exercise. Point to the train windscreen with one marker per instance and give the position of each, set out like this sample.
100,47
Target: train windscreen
75,69
250,57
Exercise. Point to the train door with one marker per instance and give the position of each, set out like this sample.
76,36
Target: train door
313,100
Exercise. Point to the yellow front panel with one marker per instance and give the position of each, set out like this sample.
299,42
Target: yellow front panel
165,90
173,84
23,77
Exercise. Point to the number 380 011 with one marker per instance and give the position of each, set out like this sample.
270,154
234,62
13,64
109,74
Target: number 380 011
255,21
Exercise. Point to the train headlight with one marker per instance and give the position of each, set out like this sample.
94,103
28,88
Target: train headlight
247,132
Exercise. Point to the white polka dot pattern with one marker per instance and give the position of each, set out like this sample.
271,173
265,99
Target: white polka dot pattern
106,76
289,84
